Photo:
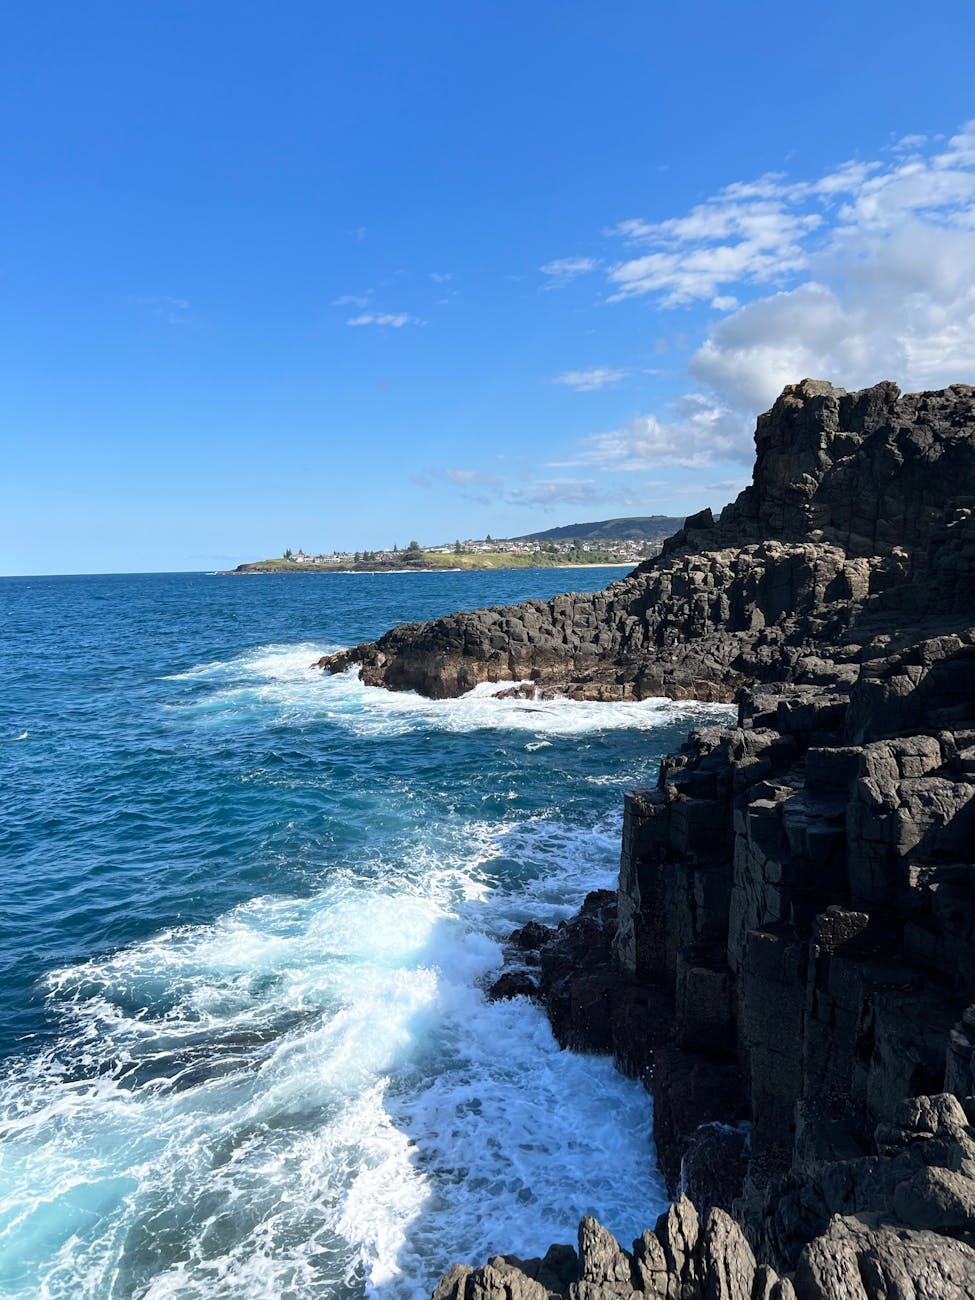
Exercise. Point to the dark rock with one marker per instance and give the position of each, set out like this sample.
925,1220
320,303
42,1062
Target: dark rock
793,938
860,511
512,984
715,1163
860,1260
532,936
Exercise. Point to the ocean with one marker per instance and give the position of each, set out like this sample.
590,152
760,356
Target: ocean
248,916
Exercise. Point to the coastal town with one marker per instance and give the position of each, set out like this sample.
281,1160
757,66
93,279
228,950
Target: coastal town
470,553
624,551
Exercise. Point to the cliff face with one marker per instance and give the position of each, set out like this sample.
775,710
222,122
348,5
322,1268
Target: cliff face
847,534
792,945
790,959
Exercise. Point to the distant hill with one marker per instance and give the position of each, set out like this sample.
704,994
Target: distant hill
644,528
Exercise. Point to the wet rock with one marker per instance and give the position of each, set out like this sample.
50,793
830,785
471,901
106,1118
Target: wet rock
512,984
532,936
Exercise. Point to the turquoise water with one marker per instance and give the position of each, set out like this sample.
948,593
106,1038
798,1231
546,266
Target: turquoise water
248,915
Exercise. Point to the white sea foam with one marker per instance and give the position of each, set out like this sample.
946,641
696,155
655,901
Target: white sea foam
283,677
311,1094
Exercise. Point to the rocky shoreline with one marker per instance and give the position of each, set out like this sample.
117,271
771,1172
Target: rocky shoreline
790,958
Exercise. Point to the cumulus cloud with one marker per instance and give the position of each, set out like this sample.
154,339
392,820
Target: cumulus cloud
566,269
693,434
588,381
391,319
864,273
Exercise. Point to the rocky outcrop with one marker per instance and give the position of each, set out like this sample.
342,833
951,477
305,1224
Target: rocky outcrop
789,962
687,1258
859,523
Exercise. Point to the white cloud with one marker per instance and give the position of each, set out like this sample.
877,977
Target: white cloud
174,311
909,143
351,300
565,269
747,233
897,305
441,277
393,319
589,381
692,435
770,231
537,493
864,273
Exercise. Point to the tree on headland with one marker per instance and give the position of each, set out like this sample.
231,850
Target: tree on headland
457,550
289,554
395,549
413,548
489,538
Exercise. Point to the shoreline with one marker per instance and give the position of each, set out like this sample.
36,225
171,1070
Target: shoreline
492,568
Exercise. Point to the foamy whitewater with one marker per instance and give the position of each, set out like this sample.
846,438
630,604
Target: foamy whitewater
253,911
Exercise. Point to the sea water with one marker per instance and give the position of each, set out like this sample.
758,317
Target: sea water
248,913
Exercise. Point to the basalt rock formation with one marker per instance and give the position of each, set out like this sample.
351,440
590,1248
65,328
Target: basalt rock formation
790,964
789,961
858,525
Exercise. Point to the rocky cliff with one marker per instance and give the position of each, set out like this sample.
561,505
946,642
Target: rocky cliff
789,961
855,532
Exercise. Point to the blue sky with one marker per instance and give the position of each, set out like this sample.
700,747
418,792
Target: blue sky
316,275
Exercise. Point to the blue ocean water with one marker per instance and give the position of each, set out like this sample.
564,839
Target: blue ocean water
248,912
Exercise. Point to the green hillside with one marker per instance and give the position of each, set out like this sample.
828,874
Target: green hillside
644,528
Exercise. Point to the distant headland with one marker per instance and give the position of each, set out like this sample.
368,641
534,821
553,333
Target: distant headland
626,541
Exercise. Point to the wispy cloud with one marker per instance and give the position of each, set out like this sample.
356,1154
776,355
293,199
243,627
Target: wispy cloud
773,229
351,300
389,319
566,269
544,494
172,311
441,277
589,381
531,491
